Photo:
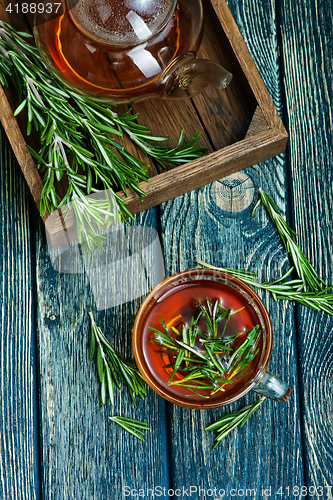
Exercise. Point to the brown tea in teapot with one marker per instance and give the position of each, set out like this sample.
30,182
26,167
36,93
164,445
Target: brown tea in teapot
128,50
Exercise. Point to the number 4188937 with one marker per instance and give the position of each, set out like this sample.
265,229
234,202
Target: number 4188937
32,8
303,491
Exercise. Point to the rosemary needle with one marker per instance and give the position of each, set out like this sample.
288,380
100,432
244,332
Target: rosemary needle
229,422
131,425
111,365
285,290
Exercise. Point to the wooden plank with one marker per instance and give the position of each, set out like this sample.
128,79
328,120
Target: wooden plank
85,455
168,118
19,477
218,164
223,233
306,50
214,224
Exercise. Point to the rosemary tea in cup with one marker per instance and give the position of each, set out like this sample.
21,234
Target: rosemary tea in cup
203,339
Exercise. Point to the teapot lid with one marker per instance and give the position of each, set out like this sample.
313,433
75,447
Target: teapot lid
121,22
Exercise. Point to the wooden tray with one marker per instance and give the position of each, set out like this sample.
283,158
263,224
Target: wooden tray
240,125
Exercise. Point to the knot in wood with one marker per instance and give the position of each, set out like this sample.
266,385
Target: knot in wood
234,193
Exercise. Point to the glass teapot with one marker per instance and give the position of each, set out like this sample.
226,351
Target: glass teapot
121,51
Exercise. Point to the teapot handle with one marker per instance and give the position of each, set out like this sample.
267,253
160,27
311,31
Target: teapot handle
188,75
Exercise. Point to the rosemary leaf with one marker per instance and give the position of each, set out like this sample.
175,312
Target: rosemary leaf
111,364
229,422
290,290
100,363
305,270
131,425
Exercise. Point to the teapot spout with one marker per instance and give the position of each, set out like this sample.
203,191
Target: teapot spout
188,75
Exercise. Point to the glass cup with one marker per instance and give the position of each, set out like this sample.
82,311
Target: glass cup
171,301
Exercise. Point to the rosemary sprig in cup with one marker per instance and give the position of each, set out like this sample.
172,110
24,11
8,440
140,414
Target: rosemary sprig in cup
203,360
77,142
111,364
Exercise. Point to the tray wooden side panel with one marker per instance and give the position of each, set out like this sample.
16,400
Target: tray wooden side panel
18,144
248,65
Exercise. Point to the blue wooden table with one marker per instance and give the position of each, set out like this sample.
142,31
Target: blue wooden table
56,441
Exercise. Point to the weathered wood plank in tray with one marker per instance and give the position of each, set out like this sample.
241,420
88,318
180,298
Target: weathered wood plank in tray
214,224
18,385
307,41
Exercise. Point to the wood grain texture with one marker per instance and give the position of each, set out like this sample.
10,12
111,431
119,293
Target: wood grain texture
18,412
85,455
307,43
214,225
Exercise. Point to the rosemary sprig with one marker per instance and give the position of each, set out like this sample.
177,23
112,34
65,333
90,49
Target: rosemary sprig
309,289
214,314
245,353
142,137
131,425
305,270
110,364
77,142
285,290
213,365
229,422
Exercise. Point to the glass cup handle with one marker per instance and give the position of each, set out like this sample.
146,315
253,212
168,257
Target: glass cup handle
273,387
